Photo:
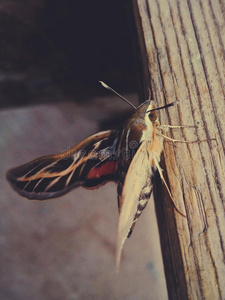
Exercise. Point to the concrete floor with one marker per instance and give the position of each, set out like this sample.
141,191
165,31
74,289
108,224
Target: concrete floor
64,249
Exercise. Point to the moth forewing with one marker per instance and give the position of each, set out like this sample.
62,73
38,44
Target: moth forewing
136,180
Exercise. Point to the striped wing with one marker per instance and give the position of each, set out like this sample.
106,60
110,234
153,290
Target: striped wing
89,164
135,195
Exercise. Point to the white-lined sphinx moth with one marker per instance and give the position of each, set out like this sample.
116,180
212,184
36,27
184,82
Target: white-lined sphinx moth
129,157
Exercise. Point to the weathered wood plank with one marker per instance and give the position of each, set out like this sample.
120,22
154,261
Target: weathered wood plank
183,54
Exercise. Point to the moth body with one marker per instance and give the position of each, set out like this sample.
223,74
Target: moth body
139,140
128,157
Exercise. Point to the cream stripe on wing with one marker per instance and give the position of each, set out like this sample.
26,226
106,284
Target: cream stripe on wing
135,181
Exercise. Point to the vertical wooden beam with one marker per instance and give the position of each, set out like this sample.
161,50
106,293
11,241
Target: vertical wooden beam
183,57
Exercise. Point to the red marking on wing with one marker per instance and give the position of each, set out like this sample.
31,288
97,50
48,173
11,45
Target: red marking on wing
105,169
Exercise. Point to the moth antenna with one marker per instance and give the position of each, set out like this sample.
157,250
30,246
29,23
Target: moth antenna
165,106
124,99
149,93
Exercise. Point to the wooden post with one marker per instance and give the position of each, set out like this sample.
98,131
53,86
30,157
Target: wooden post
182,49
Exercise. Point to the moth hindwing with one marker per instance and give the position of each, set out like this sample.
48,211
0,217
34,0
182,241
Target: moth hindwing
89,164
128,157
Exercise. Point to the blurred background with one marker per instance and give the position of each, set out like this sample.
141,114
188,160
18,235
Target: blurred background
52,55
52,48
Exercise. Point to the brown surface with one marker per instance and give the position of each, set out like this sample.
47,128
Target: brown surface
183,57
65,248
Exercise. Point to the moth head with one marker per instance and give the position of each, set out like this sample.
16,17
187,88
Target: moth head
152,110
152,113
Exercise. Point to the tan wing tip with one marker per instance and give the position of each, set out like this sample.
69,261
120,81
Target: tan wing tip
119,249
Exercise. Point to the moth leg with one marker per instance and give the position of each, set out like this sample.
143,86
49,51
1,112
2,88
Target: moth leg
182,141
163,179
164,127
174,140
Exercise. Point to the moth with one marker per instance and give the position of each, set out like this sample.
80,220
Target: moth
129,157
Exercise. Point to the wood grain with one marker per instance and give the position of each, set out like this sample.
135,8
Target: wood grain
183,57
